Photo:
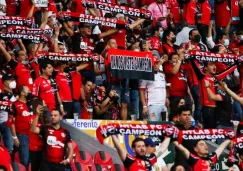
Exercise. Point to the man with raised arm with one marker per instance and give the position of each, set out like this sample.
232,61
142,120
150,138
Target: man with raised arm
140,161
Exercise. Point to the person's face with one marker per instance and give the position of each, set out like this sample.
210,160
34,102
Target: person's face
70,24
211,68
201,148
194,33
156,66
25,91
61,48
139,149
181,102
174,59
51,20
171,36
88,87
103,91
180,168
234,36
3,43
48,70
55,117
86,30
11,53
185,116
150,149
113,44
22,56
223,38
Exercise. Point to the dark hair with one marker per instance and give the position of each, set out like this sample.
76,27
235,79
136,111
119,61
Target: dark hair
192,30
156,28
3,168
165,34
183,108
172,54
20,89
135,141
86,80
56,109
43,63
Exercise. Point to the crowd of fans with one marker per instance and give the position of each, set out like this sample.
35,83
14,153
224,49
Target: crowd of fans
190,93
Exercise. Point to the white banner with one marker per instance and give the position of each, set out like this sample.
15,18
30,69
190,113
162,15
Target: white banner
41,3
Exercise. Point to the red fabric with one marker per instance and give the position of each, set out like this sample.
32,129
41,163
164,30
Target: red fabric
202,164
34,65
52,6
84,113
77,7
220,67
11,7
191,75
5,158
147,2
206,12
25,6
108,73
120,37
42,88
76,84
235,10
168,49
222,14
63,85
178,82
174,7
23,118
56,141
1,83
36,142
189,11
204,100
23,76
156,44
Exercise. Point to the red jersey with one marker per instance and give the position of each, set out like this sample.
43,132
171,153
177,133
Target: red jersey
132,163
200,164
34,65
43,88
168,49
5,158
189,12
35,141
235,12
222,14
63,82
205,11
190,74
56,141
178,81
25,6
77,83
147,2
77,6
23,117
23,74
174,7
12,7
156,44
1,83
120,37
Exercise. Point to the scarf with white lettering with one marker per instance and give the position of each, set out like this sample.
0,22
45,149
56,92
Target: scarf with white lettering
140,13
5,105
213,57
17,21
159,130
32,38
66,57
78,17
205,134
238,143
33,31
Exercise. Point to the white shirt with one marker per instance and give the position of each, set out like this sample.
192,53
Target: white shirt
183,36
155,91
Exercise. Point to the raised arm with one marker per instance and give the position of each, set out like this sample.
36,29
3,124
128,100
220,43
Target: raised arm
5,53
34,127
211,95
107,33
221,148
122,153
232,94
163,146
69,30
182,149
209,38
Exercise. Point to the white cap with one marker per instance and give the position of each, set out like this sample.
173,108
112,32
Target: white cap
50,13
120,15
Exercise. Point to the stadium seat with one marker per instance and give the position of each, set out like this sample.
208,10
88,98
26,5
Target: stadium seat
81,167
86,159
103,159
18,167
119,167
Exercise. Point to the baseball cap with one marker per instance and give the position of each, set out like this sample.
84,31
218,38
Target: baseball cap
156,59
149,142
7,76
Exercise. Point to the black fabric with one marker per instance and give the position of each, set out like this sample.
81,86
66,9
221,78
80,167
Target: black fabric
47,166
35,160
224,109
209,117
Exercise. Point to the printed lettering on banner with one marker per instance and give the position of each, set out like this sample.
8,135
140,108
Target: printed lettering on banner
41,3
